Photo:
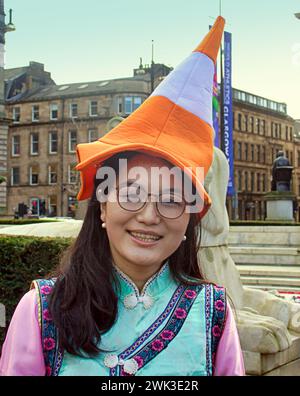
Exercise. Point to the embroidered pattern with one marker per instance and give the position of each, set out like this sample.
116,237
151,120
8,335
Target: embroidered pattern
169,332
52,354
208,316
172,303
218,320
129,282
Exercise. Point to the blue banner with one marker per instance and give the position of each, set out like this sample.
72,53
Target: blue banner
227,134
216,106
216,110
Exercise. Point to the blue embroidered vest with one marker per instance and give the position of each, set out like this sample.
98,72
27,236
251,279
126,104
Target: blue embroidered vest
168,329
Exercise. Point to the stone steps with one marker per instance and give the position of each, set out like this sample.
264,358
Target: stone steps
245,254
269,271
264,236
284,278
267,257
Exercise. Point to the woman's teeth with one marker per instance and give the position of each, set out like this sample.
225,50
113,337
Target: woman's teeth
145,237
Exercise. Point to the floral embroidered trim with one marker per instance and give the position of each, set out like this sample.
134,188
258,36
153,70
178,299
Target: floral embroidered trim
208,317
172,303
52,354
171,329
218,320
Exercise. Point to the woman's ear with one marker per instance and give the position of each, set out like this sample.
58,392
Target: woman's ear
103,211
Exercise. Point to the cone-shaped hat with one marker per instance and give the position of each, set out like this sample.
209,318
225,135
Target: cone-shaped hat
175,122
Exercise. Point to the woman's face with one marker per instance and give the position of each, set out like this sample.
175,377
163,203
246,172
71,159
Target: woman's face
143,238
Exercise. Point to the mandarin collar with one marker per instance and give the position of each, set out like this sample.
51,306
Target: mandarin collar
130,295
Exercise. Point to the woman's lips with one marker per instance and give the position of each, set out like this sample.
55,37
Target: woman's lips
144,239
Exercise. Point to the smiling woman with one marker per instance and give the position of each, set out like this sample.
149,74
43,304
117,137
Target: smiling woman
128,297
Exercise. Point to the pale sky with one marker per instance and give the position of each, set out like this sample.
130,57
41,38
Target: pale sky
92,40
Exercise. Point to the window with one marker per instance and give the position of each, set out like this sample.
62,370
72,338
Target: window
137,101
264,181
34,143
93,135
53,111
239,152
273,129
279,131
132,103
72,141
16,114
252,152
35,113
73,110
120,105
15,176
263,127
258,182
246,181
258,125
246,123
53,142
252,181
72,203
246,151
15,145
52,205
258,153
299,158
52,174
263,154
239,181
33,175
72,174
128,105
291,133
239,122
287,137
251,124
93,108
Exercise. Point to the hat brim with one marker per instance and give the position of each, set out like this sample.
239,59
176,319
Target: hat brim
92,155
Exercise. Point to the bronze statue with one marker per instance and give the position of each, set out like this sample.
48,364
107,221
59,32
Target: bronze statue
281,173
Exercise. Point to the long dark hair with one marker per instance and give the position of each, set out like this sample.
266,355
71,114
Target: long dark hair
83,303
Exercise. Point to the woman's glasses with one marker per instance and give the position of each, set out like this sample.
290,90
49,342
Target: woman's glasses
133,198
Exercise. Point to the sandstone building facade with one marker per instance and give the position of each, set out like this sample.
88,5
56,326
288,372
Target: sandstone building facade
49,120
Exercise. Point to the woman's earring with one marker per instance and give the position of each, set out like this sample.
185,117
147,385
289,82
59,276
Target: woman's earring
184,238
103,225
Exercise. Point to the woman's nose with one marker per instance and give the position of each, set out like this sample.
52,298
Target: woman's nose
148,214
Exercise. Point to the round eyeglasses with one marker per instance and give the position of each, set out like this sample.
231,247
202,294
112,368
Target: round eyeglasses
169,205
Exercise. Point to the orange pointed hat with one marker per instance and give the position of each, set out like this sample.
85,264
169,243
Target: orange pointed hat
174,123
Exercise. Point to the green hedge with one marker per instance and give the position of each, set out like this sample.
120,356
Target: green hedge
25,221
23,259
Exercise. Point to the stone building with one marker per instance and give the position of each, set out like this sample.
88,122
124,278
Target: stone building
261,128
48,120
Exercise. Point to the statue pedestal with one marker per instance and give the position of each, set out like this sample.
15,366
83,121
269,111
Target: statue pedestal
280,206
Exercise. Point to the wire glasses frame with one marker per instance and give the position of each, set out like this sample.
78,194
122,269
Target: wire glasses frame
167,209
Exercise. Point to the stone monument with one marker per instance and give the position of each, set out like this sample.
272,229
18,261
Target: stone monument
280,201
269,327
